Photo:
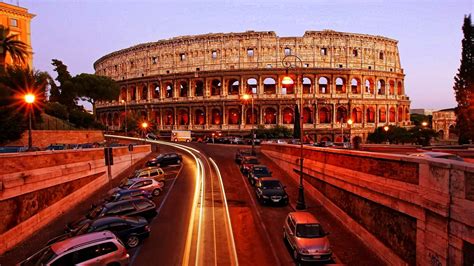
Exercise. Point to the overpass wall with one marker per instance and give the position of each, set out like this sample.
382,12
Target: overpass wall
42,138
407,210
37,187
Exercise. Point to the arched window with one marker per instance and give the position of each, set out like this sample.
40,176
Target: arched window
199,88
248,118
391,114
323,85
123,94
357,115
156,90
382,115
183,89
233,117
155,117
307,115
183,117
132,93
324,115
215,87
169,90
340,85
109,119
269,116
407,114
369,86
400,114
144,93
143,115
399,88
307,88
391,90
233,88
341,114
288,88
168,117
199,117
251,86
216,116
381,87
370,115
288,116
116,119
355,87
269,86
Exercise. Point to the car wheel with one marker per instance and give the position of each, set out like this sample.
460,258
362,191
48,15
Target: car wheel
133,241
156,192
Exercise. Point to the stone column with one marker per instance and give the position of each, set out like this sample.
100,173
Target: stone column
175,118
333,107
377,115
190,117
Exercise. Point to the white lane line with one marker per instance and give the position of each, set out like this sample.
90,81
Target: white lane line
213,214
201,215
229,230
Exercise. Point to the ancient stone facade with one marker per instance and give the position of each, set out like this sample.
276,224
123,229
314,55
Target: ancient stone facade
444,122
198,82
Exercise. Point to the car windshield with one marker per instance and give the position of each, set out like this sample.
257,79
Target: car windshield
160,156
252,161
271,185
95,212
83,229
261,171
309,230
40,258
126,183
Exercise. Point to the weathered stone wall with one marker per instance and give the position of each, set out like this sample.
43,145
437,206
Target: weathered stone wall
37,187
408,210
42,138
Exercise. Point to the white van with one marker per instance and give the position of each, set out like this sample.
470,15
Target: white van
181,135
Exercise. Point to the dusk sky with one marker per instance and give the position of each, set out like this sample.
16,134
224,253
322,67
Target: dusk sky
429,31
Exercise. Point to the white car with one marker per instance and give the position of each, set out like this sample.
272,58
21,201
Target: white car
437,155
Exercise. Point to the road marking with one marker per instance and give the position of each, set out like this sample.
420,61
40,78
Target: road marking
228,221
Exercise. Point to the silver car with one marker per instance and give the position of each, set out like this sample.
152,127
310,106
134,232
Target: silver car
146,184
306,236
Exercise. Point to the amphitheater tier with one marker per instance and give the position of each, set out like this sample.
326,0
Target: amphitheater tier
197,83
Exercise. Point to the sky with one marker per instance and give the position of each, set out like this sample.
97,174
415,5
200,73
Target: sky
79,32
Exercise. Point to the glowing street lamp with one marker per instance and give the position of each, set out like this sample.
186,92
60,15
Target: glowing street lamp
350,122
386,128
246,97
424,123
29,99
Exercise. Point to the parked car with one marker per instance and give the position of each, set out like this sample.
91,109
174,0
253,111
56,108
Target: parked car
249,141
240,154
236,140
132,207
437,155
147,184
124,194
130,230
155,173
247,163
12,149
324,144
165,160
281,141
99,248
56,147
270,190
257,172
151,136
306,237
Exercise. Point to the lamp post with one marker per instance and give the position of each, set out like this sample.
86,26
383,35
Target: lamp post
424,123
286,62
349,122
144,127
125,103
246,97
29,99
386,128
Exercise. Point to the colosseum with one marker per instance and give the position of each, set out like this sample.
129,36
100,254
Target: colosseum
198,83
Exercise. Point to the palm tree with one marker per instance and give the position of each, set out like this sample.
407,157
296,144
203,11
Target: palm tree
18,50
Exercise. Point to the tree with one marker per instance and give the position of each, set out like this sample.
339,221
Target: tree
15,82
9,44
67,92
92,88
464,85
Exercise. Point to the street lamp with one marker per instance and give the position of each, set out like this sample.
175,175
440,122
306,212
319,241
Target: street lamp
424,123
386,128
125,103
29,99
144,127
246,97
349,122
286,62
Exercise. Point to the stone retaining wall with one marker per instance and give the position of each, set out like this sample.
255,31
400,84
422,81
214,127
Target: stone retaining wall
407,210
43,138
37,187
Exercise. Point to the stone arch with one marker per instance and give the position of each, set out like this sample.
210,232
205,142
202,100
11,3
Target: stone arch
381,87
252,86
355,86
400,114
369,86
307,85
183,117
169,90
110,119
324,115
144,93
357,115
399,88
270,116
215,87
216,116
155,117
382,115
199,117
199,88
143,115
452,134
370,115
168,117
288,116
441,134
323,85
288,88
183,88
116,119
156,90
341,114
391,90
391,114
248,116
123,94
133,95
340,85
269,86
233,117
407,114
307,115
233,87
325,138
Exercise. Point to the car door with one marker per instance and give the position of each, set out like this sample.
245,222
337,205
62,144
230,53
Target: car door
137,185
145,208
120,229
147,184
290,231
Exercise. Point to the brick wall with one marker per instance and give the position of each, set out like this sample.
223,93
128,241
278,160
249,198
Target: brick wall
42,138
37,187
407,210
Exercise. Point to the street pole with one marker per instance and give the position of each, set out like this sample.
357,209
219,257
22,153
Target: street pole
253,132
30,141
126,118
